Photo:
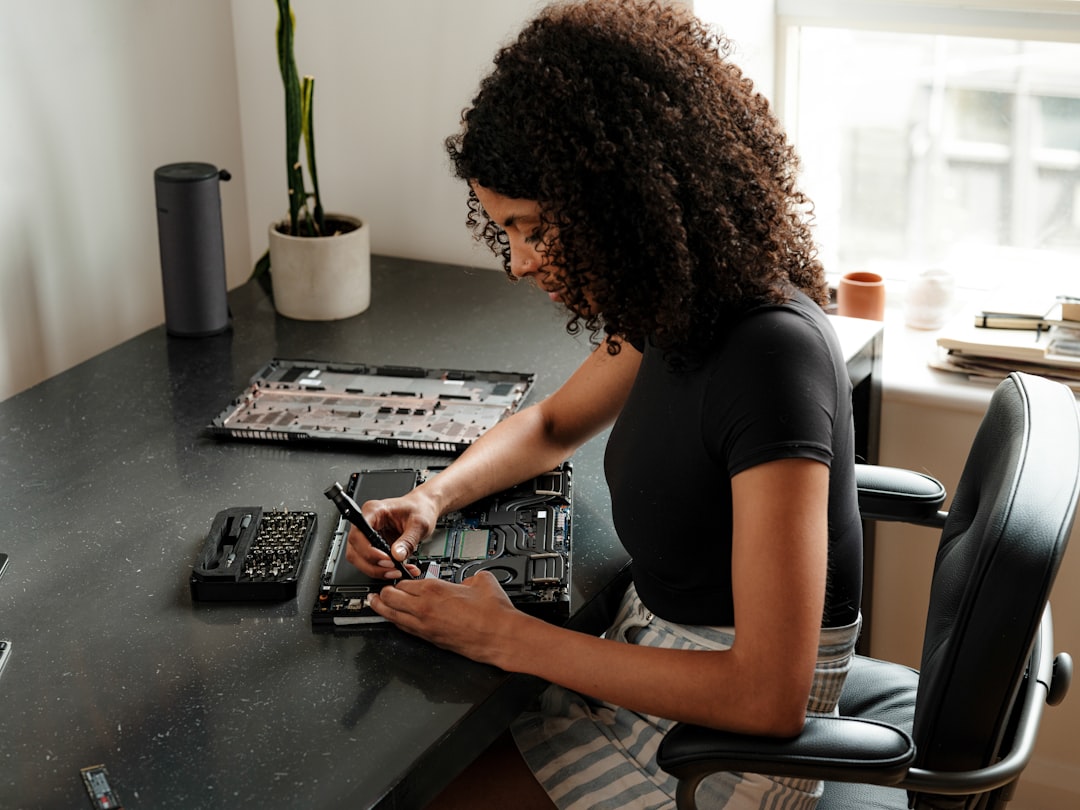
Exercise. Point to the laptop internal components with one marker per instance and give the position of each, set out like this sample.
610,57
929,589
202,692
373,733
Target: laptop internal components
522,536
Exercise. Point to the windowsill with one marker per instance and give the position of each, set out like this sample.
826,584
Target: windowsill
906,374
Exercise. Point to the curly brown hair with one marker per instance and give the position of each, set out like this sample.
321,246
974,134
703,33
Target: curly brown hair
669,182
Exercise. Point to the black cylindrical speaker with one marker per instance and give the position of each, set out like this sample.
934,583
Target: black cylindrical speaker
192,248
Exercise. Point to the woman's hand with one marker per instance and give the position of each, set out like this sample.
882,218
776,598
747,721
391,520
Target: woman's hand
474,618
404,522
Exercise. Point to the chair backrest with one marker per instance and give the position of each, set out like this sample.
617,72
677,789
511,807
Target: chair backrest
1000,550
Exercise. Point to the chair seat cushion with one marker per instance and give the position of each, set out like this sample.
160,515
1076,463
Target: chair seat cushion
881,691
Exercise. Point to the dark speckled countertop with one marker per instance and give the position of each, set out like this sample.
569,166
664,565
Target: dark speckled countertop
109,485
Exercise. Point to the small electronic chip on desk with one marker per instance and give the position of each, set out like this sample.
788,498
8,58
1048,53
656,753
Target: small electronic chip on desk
102,796
5,653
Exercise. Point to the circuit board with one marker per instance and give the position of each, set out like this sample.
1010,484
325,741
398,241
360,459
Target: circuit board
399,407
522,536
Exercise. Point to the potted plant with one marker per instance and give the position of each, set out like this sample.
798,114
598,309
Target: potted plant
319,263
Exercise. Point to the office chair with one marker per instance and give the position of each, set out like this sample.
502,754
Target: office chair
957,733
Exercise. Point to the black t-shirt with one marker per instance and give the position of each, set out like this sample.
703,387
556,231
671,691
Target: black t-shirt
775,386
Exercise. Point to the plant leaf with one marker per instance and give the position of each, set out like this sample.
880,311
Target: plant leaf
307,95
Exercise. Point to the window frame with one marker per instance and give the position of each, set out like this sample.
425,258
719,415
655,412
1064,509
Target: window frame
1048,20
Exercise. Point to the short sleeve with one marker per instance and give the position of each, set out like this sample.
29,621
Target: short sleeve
785,402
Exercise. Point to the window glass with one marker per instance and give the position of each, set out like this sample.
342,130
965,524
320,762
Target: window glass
927,149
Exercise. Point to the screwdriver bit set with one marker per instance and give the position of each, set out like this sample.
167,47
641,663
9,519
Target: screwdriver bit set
252,555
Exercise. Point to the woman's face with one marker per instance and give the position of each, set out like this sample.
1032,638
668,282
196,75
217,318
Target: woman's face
520,221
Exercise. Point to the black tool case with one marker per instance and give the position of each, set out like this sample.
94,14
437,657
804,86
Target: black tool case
252,555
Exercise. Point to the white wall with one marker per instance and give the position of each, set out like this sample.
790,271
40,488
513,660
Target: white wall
97,95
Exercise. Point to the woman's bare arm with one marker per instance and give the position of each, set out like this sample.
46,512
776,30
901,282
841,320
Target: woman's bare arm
761,685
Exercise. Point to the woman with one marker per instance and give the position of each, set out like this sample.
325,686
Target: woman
619,162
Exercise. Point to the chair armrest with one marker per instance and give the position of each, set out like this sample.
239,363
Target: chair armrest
894,494
840,749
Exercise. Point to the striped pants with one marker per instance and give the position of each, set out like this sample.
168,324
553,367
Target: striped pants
591,755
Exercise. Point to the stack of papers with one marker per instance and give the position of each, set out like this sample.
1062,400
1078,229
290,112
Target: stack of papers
1040,341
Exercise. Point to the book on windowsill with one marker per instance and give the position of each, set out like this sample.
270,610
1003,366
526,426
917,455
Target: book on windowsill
991,371
1064,311
1055,346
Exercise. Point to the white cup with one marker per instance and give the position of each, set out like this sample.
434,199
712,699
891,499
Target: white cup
929,299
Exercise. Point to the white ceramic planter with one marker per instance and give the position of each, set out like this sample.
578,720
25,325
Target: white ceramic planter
322,278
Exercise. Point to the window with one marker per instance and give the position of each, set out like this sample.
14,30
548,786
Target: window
937,135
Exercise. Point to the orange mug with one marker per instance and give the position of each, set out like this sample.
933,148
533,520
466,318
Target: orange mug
861,295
